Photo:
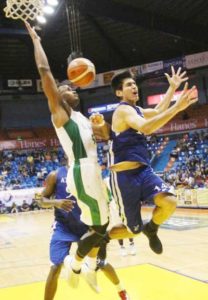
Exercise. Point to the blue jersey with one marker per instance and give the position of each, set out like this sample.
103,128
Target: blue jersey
129,145
70,219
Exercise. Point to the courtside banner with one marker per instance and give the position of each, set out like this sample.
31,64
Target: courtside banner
17,196
192,197
202,197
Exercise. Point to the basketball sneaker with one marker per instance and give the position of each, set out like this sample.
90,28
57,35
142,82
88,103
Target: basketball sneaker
90,277
72,275
154,242
123,251
132,249
123,295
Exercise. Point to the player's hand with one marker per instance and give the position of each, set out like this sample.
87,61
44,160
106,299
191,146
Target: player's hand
65,204
32,31
97,119
187,98
176,78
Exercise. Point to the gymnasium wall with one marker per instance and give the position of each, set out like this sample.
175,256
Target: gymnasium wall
24,111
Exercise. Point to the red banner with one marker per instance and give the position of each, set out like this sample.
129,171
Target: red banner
155,99
29,144
186,125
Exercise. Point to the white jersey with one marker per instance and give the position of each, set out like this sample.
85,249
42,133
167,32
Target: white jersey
76,138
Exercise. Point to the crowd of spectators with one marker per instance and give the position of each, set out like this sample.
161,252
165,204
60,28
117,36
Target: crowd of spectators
24,207
20,169
190,168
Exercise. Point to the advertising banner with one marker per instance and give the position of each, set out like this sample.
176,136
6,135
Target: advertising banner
17,196
175,62
196,60
29,144
152,67
192,197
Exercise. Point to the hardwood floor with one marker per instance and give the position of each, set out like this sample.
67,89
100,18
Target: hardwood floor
24,242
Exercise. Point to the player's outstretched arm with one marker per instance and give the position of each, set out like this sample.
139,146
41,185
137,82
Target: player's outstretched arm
175,80
148,126
48,81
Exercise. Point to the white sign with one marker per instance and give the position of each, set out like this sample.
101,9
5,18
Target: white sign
152,67
19,82
196,60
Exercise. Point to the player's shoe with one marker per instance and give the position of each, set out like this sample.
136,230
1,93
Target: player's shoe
90,277
123,251
72,275
132,249
154,242
123,295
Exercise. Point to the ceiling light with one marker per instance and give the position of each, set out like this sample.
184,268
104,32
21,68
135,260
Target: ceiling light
52,2
48,10
41,19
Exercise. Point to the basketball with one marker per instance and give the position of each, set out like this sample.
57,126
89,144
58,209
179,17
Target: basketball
81,72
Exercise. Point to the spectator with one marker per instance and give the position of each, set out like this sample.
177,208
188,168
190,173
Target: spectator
25,206
14,209
34,205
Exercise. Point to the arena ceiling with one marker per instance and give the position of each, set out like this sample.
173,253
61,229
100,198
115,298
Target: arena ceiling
114,34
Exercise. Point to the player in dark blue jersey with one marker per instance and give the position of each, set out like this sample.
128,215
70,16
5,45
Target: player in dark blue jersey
132,178
68,228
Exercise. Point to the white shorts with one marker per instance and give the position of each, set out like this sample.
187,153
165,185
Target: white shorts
84,181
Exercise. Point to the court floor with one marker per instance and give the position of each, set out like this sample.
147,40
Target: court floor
181,272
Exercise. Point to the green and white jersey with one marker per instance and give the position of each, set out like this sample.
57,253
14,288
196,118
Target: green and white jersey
76,138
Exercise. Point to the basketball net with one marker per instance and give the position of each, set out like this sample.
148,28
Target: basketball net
24,9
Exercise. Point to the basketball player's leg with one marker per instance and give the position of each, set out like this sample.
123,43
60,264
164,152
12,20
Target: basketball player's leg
85,182
109,271
165,207
91,240
60,245
52,282
155,188
126,192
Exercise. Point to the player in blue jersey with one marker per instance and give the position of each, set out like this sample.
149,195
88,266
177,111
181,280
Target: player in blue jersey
132,178
68,228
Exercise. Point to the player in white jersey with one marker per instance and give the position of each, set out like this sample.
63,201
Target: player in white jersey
76,136
84,178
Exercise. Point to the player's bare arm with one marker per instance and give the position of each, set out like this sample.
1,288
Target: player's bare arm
126,117
48,81
60,100
48,192
175,80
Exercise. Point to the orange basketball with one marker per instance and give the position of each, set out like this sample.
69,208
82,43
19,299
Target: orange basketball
81,72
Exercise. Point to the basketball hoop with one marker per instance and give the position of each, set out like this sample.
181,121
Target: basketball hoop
24,9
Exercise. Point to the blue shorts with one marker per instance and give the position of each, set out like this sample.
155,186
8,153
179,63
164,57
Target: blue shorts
61,241
130,188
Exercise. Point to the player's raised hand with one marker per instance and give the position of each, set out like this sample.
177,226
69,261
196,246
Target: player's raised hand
32,31
187,98
176,78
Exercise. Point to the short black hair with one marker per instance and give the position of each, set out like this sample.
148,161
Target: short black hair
68,82
117,80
